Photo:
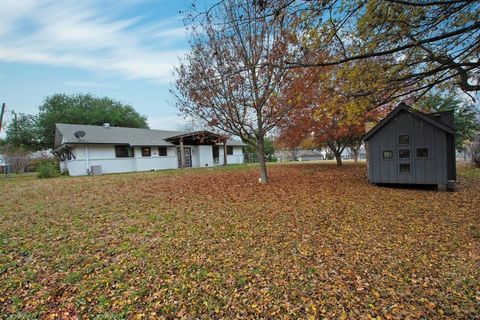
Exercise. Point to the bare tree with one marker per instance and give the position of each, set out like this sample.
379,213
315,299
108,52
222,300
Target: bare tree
17,159
229,78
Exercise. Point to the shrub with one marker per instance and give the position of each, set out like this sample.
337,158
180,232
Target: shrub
47,169
35,162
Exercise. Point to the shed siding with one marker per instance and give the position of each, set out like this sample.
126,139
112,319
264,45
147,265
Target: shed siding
430,170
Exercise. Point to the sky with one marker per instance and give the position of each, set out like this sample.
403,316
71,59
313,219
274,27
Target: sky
122,49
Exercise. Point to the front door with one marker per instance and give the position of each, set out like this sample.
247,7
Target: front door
216,154
188,157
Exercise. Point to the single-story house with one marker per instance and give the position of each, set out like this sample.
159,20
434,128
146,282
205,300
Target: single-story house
412,147
3,164
85,149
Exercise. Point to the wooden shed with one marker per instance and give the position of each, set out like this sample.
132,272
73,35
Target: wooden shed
411,147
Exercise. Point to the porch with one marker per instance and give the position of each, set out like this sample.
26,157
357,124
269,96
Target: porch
201,148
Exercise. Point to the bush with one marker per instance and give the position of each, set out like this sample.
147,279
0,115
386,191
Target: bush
329,156
47,169
35,162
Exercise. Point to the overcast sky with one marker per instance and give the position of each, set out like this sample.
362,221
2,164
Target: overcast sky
123,49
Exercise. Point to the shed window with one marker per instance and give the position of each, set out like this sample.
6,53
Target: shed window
404,139
387,154
146,151
229,150
123,152
162,151
404,167
404,153
422,153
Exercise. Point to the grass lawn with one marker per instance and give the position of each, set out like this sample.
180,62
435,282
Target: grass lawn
318,242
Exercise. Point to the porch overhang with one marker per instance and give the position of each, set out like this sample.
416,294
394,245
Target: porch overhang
198,138
64,152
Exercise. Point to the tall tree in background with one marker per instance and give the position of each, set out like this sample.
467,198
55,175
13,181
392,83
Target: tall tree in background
466,117
269,149
325,113
83,109
22,133
229,79
325,127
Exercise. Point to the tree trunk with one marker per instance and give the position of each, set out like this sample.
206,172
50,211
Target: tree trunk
338,158
355,154
261,160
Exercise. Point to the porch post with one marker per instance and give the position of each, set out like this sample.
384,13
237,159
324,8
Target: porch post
225,153
182,154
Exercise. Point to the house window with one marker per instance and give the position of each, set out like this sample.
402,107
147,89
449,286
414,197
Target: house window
404,167
422,153
404,153
162,151
387,154
146,152
404,139
229,150
123,152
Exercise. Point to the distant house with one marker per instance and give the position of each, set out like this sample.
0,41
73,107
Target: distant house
348,153
310,155
3,163
84,149
411,147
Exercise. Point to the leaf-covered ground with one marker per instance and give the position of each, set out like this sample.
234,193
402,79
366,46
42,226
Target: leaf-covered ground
318,242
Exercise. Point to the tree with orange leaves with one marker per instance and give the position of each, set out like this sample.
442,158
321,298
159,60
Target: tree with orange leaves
325,113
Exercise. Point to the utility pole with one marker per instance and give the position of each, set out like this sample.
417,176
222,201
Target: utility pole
2,112
1,115
16,123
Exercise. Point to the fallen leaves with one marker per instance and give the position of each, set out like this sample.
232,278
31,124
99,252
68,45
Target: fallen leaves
318,242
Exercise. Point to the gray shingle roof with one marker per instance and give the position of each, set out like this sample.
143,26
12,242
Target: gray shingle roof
404,107
117,135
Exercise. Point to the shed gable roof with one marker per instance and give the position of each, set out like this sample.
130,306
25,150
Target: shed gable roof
405,108
65,134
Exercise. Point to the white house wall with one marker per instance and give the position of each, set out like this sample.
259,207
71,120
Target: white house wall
205,156
235,158
104,156
154,162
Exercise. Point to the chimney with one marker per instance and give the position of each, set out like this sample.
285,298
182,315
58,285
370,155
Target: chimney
445,117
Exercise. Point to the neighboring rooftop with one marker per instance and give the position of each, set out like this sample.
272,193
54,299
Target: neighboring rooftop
65,134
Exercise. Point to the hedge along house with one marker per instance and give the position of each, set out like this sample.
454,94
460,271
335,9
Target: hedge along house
84,149
411,147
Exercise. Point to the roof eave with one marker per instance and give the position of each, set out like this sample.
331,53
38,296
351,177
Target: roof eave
404,107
